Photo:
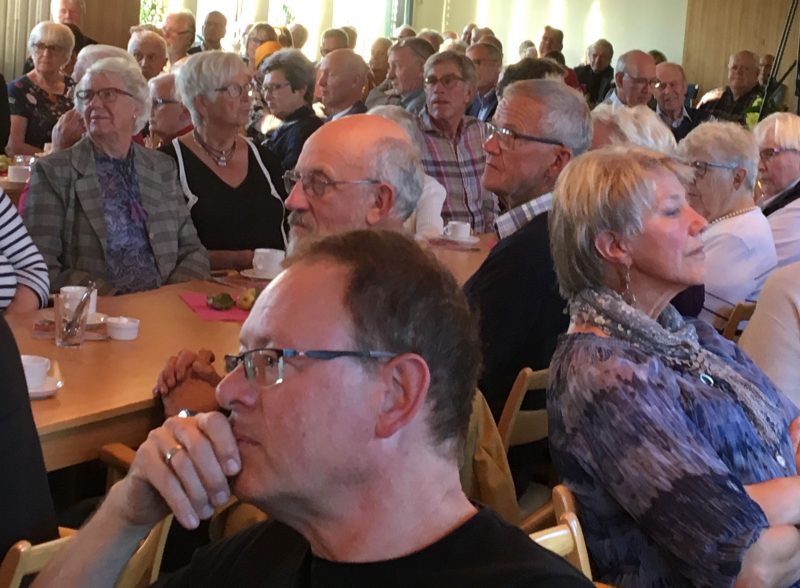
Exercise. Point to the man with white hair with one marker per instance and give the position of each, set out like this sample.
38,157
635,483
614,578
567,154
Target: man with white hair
72,12
149,49
635,76
670,94
214,30
432,37
488,62
598,75
343,73
404,84
778,138
179,29
731,103
169,118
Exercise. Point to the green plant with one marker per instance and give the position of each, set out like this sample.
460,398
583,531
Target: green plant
152,11
287,13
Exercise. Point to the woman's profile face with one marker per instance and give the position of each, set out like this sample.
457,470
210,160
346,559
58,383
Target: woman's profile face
227,108
711,191
669,251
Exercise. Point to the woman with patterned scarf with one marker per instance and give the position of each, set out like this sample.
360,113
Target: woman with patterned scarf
680,451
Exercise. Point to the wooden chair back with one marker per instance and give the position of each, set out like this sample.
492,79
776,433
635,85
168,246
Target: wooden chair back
566,539
146,562
743,312
516,426
24,559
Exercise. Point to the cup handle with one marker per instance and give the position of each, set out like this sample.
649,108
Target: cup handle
48,366
446,230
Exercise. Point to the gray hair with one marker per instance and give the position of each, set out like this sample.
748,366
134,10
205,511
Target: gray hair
165,79
723,142
420,48
142,34
603,44
52,33
566,118
81,4
396,162
783,127
202,73
463,62
622,62
406,121
296,67
610,189
750,54
637,126
188,18
455,46
133,82
91,54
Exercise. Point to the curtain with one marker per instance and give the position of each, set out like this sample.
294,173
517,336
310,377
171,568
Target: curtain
17,19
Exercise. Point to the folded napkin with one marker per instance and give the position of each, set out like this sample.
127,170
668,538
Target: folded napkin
199,304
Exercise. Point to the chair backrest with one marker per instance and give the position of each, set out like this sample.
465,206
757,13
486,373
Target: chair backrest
518,427
146,562
24,559
691,94
564,501
566,539
743,312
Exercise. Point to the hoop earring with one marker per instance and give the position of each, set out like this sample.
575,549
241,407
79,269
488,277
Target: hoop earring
628,295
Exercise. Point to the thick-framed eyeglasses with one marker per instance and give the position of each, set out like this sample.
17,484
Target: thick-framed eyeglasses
272,88
447,81
767,154
236,90
315,183
107,95
167,31
42,47
264,367
701,167
163,101
508,138
652,82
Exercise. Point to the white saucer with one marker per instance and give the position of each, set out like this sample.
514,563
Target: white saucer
251,273
50,388
471,240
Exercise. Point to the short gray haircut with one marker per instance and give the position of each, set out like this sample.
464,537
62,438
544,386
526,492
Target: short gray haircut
610,189
637,126
750,54
723,142
81,4
141,34
463,62
202,73
782,127
133,82
566,118
165,79
603,44
405,120
296,67
420,48
91,54
52,33
188,18
396,162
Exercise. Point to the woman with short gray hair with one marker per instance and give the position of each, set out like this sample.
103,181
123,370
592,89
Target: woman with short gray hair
288,90
676,446
39,98
233,187
740,252
107,209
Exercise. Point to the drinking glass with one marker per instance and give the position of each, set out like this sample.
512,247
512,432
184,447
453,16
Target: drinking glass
65,307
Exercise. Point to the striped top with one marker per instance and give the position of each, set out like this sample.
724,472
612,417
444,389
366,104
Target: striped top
20,260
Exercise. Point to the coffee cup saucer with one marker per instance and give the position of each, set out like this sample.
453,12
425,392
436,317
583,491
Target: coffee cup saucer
471,240
253,275
49,388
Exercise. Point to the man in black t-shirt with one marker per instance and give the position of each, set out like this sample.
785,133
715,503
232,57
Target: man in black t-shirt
349,406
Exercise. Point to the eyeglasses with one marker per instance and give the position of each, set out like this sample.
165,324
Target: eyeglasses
315,183
272,88
702,167
652,82
107,95
41,48
236,90
447,80
479,62
507,138
264,367
162,101
767,154
167,31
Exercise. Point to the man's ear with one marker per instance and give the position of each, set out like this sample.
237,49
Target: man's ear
382,204
563,156
618,77
408,379
613,248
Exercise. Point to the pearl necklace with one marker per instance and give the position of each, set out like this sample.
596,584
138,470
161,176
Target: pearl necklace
221,158
733,214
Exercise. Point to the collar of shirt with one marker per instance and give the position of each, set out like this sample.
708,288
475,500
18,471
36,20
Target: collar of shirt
487,98
767,201
512,221
428,126
341,113
615,99
663,116
409,98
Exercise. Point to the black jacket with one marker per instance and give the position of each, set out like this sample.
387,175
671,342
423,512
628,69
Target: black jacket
585,75
782,200
696,118
288,139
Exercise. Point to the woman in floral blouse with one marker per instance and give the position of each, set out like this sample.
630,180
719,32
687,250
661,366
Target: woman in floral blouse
39,98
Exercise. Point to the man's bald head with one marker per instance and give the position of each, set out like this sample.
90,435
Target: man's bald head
361,148
343,74
671,90
635,76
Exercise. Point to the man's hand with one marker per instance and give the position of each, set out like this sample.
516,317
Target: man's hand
204,454
67,131
188,381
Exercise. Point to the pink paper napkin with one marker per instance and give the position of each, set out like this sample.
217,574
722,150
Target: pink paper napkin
198,303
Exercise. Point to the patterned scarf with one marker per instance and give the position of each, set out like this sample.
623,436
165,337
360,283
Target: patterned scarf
675,342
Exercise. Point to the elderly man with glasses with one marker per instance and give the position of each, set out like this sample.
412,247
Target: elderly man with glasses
539,127
179,29
635,76
453,153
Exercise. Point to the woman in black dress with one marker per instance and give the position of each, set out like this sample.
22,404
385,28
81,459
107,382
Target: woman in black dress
233,188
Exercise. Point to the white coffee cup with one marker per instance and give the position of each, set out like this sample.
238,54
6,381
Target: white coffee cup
457,230
36,368
18,173
267,262
74,293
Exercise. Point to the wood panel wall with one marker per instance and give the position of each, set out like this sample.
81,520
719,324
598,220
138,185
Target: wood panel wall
109,21
717,28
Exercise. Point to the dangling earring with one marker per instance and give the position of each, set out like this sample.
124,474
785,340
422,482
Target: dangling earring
628,295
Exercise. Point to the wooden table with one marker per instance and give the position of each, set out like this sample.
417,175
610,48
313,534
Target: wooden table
107,393
13,189
465,263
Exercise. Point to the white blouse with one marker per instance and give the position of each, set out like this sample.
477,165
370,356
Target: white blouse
740,255
785,225
426,221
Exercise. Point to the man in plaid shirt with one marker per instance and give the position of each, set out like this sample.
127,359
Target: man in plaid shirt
454,153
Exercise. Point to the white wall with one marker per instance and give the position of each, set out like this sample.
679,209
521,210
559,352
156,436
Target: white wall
628,24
